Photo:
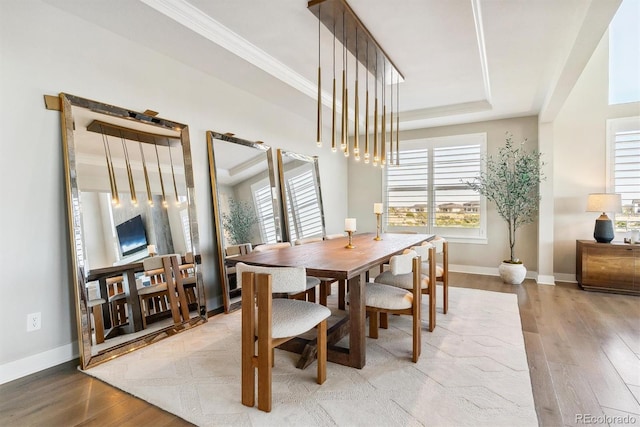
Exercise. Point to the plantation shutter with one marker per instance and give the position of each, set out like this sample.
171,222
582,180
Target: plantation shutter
407,191
264,209
304,212
626,177
453,200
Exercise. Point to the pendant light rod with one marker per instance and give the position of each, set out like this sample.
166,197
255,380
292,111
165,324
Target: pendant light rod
319,118
146,175
330,13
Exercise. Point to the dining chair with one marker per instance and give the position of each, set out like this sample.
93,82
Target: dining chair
117,300
399,291
188,274
442,268
165,294
274,322
96,311
309,294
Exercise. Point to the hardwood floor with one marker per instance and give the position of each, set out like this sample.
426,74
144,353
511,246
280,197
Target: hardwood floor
583,350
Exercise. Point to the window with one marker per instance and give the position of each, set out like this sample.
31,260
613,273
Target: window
624,54
303,209
264,208
623,169
427,190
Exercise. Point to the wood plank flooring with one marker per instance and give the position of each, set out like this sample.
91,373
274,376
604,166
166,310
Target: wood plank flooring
583,350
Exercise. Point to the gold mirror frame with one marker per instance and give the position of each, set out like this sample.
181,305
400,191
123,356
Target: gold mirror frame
78,250
214,138
282,170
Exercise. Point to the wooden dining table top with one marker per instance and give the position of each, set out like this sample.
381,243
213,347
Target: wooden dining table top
330,258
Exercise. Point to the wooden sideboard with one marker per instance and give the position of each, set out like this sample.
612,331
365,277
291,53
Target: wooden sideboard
608,267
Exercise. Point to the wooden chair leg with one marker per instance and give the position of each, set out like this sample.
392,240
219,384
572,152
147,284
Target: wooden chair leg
97,322
445,294
311,295
322,352
373,324
325,291
384,320
341,294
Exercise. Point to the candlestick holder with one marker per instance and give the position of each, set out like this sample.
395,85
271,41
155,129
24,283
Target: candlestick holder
378,226
350,244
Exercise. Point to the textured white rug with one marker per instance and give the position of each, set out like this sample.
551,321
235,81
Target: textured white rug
473,371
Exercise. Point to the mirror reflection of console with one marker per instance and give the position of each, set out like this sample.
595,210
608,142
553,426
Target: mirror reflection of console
130,191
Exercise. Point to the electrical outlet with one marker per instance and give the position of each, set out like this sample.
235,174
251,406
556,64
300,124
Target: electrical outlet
33,321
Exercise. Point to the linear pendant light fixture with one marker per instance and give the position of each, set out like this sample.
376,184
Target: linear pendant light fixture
338,17
164,196
146,174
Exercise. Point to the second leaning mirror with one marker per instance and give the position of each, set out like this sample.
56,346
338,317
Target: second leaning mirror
245,203
301,195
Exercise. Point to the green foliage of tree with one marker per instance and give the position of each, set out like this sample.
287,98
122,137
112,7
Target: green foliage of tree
239,221
511,181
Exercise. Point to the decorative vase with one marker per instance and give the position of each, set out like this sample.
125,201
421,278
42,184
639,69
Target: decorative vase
512,274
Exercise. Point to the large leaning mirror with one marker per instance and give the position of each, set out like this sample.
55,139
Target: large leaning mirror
302,196
130,200
245,203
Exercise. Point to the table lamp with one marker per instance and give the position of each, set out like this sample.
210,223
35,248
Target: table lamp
604,202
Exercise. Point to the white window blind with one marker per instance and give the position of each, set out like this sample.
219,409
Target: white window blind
264,209
407,189
624,169
455,204
427,191
303,208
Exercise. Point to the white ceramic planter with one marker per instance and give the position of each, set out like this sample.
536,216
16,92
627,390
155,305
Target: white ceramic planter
512,274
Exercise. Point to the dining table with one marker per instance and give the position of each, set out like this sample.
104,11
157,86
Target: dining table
332,259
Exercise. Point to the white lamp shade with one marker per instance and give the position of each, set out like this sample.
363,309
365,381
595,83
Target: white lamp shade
604,202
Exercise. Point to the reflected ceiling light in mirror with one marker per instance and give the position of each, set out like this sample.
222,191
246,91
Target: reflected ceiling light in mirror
146,174
338,17
164,197
397,120
127,163
115,200
173,175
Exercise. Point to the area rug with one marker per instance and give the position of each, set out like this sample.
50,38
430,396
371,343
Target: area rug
472,372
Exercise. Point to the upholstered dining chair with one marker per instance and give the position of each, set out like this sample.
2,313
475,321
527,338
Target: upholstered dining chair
399,291
309,294
275,321
442,268
166,293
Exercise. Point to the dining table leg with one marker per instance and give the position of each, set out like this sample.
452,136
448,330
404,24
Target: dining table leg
357,319
135,315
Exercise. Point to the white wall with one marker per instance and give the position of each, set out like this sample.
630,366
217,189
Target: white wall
365,188
579,157
46,51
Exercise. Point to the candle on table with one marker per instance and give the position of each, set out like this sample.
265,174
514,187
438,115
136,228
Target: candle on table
151,249
377,208
350,224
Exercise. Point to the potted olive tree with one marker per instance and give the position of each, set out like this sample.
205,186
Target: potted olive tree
511,181
239,221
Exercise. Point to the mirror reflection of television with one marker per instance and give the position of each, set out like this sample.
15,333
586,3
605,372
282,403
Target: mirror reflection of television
132,236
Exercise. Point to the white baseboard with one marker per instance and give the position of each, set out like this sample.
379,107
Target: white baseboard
38,362
566,277
484,271
544,279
